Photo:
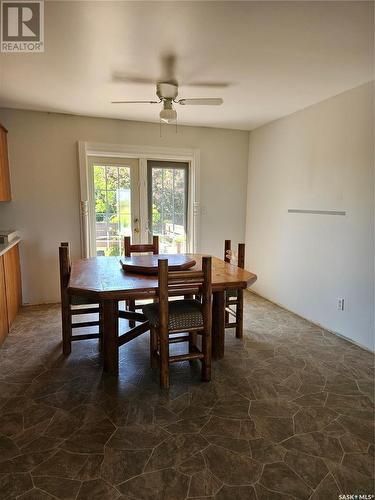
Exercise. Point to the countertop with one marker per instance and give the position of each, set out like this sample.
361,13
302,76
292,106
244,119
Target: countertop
8,246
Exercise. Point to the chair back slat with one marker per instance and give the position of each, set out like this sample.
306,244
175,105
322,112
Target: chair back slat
187,288
141,248
173,281
240,253
176,277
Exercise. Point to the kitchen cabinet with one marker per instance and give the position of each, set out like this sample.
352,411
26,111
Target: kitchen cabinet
3,304
10,288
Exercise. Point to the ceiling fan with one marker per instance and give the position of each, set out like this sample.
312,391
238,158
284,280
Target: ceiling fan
167,93
167,89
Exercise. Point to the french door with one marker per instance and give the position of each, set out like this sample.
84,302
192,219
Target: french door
167,186
116,202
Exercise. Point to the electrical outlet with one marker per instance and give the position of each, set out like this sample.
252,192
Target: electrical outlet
340,304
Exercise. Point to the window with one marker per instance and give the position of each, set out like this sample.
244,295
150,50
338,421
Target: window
168,204
114,200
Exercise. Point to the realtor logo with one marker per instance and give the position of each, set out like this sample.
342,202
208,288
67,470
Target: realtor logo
22,26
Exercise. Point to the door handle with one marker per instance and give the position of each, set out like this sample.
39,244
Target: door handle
136,228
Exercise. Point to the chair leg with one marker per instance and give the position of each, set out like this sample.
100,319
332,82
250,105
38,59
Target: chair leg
164,360
153,348
66,318
131,307
239,314
192,343
206,361
100,327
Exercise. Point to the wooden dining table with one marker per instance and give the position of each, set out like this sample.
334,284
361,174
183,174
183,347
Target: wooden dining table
103,280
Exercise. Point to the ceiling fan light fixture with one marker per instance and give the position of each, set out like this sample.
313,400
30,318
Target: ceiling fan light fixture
168,115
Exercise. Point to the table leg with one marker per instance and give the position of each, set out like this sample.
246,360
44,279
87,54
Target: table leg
110,336
218,325
239,314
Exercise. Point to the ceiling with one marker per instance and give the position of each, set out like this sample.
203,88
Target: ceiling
275,57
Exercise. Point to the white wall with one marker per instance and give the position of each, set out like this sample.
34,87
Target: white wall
319,158
45,184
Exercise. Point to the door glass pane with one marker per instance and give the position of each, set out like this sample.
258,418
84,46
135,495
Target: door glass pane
168,205
112,208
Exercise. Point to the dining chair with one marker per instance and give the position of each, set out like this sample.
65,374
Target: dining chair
72,306
130,249
234,297
187,316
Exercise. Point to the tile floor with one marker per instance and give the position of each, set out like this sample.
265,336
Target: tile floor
288,415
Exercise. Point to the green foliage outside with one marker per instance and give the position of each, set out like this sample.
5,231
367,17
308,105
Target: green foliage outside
155,215
111,187
111,251
112,203
168,194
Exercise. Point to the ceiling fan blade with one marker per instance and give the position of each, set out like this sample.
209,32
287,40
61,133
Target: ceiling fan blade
135,102
209,101
118,76
213,85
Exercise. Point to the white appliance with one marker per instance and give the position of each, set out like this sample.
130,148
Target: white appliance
7,236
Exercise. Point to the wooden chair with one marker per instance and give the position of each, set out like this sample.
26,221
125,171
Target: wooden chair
234,297
147,248
77,305
73,305
129,249
180,316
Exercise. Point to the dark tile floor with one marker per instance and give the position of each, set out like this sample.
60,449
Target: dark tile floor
288,415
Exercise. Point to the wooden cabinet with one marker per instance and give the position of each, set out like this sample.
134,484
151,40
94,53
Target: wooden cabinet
5,193
3,304
10,289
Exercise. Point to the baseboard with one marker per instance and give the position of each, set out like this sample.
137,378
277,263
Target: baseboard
313,322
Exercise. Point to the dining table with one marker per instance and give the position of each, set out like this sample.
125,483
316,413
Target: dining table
103,280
